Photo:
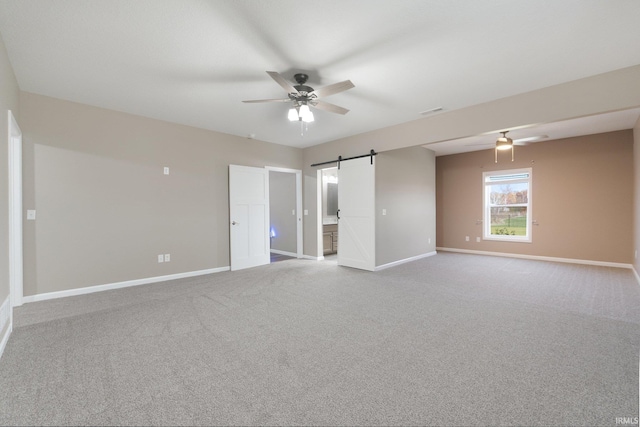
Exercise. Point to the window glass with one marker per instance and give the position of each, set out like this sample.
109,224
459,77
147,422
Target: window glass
507,207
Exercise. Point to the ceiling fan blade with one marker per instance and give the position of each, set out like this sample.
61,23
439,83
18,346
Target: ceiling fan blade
529,140
282,82
333,89
253,101
332,108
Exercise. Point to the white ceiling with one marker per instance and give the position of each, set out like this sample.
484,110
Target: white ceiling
194,61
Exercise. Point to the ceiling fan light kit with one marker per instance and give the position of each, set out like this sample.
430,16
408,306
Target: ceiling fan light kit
305,113
303,97
504,143
300,113
293,114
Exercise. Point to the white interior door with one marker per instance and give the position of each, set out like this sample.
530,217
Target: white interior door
357,222
249,216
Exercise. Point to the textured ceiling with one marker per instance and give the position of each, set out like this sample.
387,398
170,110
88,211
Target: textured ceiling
194,61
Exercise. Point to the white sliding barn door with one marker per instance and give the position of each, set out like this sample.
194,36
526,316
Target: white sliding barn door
248,216
357,222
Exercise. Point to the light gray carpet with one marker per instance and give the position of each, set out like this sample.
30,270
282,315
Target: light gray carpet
448,340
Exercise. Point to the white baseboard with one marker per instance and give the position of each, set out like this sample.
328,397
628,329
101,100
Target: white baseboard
5,320
538,258
314,258
402,261
279,252
635,273
118,285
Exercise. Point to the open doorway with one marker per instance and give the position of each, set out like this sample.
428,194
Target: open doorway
329,210
285,213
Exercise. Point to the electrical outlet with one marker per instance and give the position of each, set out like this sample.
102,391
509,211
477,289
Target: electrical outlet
429,240
160,258
466,238
477,239
31,214
167,257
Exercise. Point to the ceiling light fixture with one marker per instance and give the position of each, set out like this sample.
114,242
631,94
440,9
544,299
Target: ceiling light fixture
504,143
305,113
301,113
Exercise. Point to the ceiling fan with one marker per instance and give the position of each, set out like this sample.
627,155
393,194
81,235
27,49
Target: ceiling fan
504,140
303,96
506,143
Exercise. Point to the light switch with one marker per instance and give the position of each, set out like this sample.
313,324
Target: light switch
306,212
31,214
166,170
384,211
167,257
293,211
160,258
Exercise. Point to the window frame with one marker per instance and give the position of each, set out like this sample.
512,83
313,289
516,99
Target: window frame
486,205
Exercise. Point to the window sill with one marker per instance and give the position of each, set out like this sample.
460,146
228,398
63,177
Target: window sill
508,239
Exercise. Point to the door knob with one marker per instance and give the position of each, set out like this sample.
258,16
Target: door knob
234,223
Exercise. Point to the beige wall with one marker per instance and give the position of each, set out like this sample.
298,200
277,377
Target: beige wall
105,210
582,193
606,92
636,198
9,96
405,187
282,201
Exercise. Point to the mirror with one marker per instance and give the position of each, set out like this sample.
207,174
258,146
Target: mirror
329,196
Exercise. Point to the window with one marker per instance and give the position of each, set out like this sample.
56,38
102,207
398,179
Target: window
507,205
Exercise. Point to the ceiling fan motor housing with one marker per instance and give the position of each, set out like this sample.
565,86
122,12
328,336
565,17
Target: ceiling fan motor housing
301,79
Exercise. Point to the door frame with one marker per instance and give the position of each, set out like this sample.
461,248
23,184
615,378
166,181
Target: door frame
320,214
15,213
299,227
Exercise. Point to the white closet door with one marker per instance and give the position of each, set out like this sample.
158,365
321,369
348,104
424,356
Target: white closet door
357,223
